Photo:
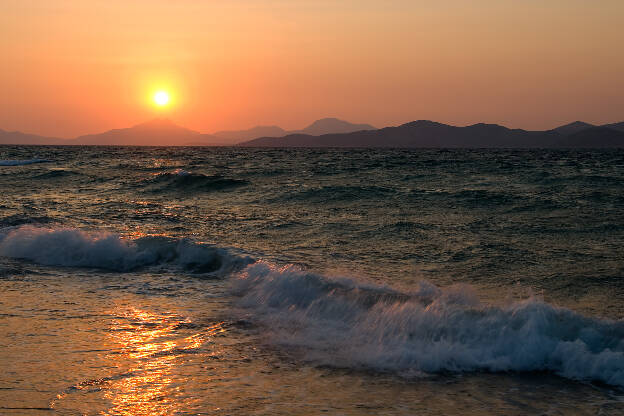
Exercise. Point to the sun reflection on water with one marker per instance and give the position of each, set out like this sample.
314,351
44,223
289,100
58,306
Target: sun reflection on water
148,354
152,341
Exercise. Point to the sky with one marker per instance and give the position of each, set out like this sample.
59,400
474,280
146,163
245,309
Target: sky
72,67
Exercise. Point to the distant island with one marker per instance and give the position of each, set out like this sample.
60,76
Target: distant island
332,132
429,134
317,128
163,132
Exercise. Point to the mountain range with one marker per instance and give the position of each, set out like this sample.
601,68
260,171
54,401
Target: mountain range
429,134
331,132
163,132
318,128
17,137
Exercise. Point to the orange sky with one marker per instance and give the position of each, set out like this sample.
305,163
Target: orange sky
73,67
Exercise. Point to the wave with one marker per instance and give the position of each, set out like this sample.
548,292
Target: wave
347,323
72,247
56,174
22,162
18,219
344,323
473,198
339,193
181,180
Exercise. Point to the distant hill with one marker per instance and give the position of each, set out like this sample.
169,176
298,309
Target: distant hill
416,134
573,127
163,132
595,137
331,126
429,134
235,136
317,128
16,137
615,126
157,132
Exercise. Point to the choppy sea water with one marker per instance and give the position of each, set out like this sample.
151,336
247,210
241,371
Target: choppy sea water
191,281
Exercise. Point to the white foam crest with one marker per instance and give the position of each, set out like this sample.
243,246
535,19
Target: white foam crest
343,323
22,162
72,247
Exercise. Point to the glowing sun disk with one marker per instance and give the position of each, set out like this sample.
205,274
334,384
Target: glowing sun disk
161,98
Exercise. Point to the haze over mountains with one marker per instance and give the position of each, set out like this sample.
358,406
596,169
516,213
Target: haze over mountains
163,132
429,134
158,132
331,132
319,127
17,137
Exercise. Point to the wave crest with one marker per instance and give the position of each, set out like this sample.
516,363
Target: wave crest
343,323
71,247
181,180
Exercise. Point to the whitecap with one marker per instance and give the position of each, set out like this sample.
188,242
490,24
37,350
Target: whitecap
344,323
71,247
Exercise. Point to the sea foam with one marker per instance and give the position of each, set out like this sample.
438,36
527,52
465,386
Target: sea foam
344,323
72,247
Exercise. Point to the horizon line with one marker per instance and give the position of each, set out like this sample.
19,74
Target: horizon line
289,131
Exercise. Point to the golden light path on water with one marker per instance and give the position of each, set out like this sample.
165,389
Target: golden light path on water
151,343
158,341
96,351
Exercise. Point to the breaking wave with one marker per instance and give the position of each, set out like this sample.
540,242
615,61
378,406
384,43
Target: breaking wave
71,247
22,162
344,323
181,180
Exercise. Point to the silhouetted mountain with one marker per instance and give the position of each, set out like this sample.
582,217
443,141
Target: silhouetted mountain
421,134
417,134
317,128
208,140
235,136
578,126
331,126
573,127
595,137
158,132
616,126
163,132
16,137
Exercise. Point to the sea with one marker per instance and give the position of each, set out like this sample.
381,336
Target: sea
238,281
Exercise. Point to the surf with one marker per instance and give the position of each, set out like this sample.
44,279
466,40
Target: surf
71,247
345,323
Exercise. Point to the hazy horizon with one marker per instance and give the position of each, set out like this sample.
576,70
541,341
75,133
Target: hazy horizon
166,249
298,130
73,68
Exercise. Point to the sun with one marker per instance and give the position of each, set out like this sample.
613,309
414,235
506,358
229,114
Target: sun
161,98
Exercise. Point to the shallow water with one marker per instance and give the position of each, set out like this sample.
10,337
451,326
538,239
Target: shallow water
146,281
